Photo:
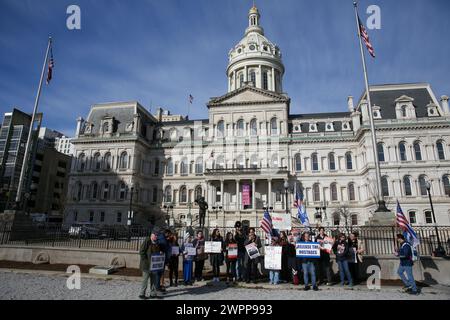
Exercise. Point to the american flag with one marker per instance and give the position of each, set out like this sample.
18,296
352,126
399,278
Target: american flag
191,99
365,37
51,64
404,224
266,223
300,205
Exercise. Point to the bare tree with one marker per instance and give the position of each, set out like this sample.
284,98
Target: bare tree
343,212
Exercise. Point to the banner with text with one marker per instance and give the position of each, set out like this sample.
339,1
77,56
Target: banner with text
307,250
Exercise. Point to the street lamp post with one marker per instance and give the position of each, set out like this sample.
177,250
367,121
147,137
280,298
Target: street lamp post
439,252
190,214
286,189
130,213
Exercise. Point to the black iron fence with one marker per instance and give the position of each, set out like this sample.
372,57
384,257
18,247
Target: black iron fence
378,240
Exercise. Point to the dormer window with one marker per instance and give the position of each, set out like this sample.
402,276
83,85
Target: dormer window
345,126
432,110
376,112
297,128
329,126
405,108
312,127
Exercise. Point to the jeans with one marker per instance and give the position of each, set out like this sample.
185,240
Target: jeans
154,278
187,270
173,268
354,271
252,269
344,272
274,276
409,281
231,269
324,269
308,268
199,264
240,265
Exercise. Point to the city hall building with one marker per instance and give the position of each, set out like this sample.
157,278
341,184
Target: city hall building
251,153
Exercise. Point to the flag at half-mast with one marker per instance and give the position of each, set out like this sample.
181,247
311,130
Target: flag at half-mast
51,65
404,224
365,37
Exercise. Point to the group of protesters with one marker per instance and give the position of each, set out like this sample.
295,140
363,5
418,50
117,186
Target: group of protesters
240,267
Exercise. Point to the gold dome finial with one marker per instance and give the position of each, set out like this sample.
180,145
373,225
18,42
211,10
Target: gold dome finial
254,9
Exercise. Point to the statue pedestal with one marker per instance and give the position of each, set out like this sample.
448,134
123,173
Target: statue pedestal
381,219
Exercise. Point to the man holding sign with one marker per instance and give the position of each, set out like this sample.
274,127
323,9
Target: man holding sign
309,253
151,263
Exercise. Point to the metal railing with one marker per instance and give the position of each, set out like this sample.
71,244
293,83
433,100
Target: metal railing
378,240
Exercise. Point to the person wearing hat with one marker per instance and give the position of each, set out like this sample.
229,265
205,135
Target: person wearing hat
148,248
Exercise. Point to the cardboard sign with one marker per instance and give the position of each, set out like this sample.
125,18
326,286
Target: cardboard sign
157,262
191,251
307,250
281,221
232,251
327,244
272,258
213,247
175,251
252,251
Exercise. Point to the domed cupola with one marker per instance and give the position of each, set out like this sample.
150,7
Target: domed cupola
255,60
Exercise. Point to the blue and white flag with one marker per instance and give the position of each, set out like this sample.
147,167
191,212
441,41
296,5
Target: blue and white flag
301,209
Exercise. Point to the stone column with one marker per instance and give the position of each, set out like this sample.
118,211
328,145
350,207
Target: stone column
273,79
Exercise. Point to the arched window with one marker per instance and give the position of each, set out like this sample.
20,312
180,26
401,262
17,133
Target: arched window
221,129
79,191
440,150
407,185
156,168
183,194
122,191
199,165
446,183
403,109
349,161
274,161
273,127
105,190
96,161
81,162
240,162
298,163
314,162
169,167
240,128
107,163
220,162
316,192
331,162
385,186
333,192
198,193
423,185
94,190
402,151
123,160
417,151
253,77
351,192
265,81
173,134
168,194
254,163
184,167
241,80
380,149
253,127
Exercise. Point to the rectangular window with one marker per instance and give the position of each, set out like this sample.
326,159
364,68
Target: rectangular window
428,217
91,216
155,194
119,217
412,217
102,216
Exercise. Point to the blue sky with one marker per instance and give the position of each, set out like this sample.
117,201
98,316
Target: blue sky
159,51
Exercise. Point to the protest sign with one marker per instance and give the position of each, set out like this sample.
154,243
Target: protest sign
327,244
307,250
252,250
175,251
232,251
281,221
213,247
157,262
191,251
272,258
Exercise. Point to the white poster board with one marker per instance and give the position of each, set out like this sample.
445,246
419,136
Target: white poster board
252,251
175,251
213,247
191,251
272,258
327,244
157,262
281,221
307,250
232,251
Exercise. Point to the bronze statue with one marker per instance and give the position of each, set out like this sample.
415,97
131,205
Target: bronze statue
202,207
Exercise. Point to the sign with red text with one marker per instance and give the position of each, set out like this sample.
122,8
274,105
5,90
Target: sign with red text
281,221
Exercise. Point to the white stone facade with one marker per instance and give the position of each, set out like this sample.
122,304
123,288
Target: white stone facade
250,140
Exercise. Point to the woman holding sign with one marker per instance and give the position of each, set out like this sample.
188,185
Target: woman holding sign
216,257
341,250
189,253
231,256
252,244
174,259
199,245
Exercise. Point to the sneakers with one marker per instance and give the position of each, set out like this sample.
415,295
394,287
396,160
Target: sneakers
306,288
316,288
329,284
143,297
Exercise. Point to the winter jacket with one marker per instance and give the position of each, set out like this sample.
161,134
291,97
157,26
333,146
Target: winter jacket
148,248
405,255
341,250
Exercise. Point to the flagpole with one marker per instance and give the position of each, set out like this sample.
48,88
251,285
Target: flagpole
381,202
30,132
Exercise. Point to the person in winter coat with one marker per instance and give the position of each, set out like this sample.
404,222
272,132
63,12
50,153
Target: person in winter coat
274,275
199,245
216,258
252,270
405,254
240,238
341,250
309,269
188,260
149,247
356,248
324,263
285,274
230,245
174,260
